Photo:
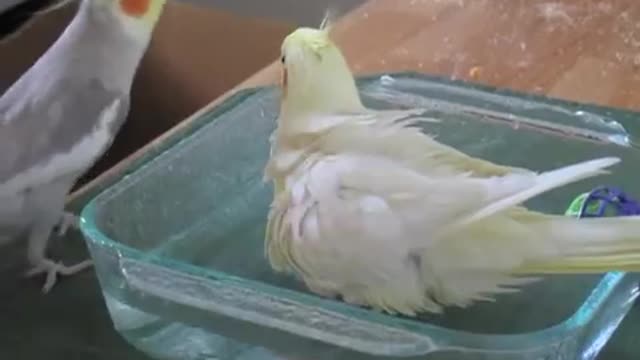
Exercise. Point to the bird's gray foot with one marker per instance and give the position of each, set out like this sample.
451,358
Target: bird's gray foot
68,220
52,269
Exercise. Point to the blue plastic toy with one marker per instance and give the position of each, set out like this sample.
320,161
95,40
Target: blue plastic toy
603,201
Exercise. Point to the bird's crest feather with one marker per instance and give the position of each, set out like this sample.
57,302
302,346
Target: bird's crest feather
315,39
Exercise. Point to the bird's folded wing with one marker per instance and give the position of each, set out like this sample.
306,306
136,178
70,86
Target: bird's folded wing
394,133
368,198
36,127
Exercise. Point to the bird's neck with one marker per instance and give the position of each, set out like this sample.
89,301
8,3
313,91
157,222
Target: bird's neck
303,101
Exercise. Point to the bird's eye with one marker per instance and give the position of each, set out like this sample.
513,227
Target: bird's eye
282,59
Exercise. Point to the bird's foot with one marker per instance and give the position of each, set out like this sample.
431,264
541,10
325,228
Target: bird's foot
52,269
68,220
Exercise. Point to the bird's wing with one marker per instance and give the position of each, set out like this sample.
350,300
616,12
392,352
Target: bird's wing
367,220
368,201
394,133
354,209
40,125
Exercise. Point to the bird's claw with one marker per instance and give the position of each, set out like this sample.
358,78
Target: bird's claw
68,220
52,269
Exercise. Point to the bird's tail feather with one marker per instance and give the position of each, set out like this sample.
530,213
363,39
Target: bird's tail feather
543,183
590,245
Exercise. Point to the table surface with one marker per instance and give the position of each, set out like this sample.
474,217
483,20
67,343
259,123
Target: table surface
587,51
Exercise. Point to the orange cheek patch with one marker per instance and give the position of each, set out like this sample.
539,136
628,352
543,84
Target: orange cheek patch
136,8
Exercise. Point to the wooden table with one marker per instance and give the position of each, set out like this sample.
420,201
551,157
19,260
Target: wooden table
586,50
581,50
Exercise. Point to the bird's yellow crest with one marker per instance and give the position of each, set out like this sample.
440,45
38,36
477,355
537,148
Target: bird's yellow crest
315,40
315,75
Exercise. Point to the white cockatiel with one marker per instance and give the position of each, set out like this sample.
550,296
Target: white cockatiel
62,115
369,208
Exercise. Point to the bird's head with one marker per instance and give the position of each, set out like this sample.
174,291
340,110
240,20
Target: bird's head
138,17
316,78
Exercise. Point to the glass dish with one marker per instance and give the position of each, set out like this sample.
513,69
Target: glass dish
178,241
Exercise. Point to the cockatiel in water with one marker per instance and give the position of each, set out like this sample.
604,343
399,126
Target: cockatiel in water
369,208
62,115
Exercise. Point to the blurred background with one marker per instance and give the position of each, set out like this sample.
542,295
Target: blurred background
300,12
